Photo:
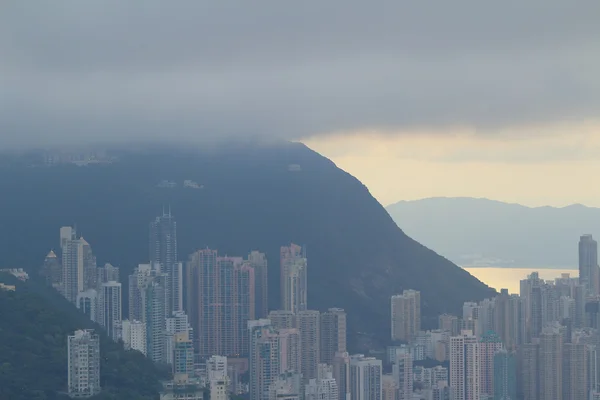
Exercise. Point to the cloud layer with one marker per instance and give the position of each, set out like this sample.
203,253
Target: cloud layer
105,70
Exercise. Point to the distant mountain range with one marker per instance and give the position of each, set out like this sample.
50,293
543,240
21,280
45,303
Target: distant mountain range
480,232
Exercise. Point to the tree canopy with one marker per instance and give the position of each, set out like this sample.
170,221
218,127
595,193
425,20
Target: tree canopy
34,327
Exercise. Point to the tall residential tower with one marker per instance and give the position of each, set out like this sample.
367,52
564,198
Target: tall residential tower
163,250
294,278
83,364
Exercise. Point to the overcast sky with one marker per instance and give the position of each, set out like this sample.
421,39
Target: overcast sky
464,97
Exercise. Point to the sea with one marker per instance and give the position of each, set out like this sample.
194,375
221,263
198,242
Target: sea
508,278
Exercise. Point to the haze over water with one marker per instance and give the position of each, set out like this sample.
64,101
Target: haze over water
509,278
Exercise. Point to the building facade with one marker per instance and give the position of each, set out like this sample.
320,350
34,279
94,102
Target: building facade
83,364
294,278
333,334
406,315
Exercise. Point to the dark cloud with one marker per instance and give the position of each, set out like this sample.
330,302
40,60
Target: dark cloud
111,69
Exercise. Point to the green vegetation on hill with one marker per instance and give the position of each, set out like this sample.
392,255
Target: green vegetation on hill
34,327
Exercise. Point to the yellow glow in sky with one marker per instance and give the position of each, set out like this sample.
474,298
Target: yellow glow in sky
534,165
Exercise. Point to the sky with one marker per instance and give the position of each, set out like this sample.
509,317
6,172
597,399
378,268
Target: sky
416,99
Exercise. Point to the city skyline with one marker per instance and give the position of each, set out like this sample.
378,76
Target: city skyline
551,326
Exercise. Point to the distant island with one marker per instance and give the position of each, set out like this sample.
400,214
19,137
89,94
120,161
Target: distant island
474,232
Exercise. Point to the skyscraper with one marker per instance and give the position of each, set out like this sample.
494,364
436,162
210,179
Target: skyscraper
201,293
333,334
163,250
290,345
505,376
78,268
366,378
341,374
309,326
406,315
575,376
138,281
530,362
272,352
156,293
83,364
588,264
264,360
110,307
464,366
550,366
402,371
294,278
258,261
220,302
489,345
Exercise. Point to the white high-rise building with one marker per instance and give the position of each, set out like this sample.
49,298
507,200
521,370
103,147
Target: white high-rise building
465,367
406,315
402,371
551,363
365,378
110,307
133,334
66,233
78,268
83,364
163,251
272,353
293,264
308,323
324,387
264,360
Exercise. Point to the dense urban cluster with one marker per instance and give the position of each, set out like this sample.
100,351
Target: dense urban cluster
209,320
538,345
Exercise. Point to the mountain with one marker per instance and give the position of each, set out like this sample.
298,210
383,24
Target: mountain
34,327
482,231
251,197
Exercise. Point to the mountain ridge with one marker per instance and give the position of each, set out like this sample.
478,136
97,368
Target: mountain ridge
250,200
